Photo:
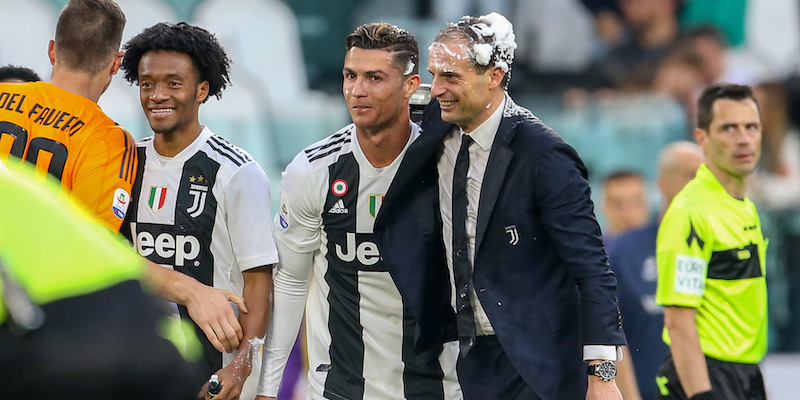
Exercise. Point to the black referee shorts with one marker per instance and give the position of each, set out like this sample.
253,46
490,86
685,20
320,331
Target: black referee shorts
729,381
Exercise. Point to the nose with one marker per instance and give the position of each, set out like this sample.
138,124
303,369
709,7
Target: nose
159,93
744,136
358,89
437,89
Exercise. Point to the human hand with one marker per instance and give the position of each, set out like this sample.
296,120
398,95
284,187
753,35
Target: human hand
209,309
601,390
231,379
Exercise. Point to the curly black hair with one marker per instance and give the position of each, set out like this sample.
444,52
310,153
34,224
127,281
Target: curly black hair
207,54
10,72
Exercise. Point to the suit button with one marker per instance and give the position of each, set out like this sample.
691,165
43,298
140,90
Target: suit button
460,253
499,304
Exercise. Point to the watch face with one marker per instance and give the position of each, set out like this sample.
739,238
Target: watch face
606,370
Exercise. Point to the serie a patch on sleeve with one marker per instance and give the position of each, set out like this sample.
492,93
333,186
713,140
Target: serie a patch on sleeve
283,217
120,203
690,275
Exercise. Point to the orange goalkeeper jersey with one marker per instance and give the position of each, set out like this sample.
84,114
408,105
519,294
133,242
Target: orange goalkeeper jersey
69,137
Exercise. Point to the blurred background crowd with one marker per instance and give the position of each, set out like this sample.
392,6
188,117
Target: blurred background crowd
618,79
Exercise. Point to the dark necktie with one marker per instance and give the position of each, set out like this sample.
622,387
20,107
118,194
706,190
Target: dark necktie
461,267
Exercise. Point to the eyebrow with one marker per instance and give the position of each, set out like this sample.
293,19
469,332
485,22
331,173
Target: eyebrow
744,123
171,75
371,72
446,71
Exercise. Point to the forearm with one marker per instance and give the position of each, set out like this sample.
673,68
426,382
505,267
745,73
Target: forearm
169,285
690,362
256,293
289,300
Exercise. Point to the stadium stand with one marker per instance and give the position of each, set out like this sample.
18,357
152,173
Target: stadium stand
281,49
27,28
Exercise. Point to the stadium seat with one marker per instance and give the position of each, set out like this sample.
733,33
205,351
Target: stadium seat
772,34
121,100
323,25
623,132
262,37
183,8
244,118
142,14
121,103
28,27
241,117
56,4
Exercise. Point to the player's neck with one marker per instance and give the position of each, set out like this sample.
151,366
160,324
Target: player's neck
382,146
172,143
77,82
736,186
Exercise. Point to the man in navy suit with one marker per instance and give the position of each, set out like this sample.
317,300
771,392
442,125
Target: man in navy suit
490,235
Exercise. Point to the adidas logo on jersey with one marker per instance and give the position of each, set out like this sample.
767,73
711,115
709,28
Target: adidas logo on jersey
338,208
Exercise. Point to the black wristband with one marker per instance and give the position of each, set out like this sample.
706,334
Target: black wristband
709,395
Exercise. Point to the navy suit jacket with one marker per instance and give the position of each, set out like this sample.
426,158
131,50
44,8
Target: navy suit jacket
540,269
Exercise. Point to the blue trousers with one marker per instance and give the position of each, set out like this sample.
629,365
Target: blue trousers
487,373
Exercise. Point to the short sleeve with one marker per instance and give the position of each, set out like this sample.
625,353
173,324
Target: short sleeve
248,217
683,250
104,174
299,218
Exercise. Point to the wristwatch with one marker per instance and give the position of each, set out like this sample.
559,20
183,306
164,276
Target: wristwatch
605,370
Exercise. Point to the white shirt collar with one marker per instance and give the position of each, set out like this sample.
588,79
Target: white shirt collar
184,154
484,134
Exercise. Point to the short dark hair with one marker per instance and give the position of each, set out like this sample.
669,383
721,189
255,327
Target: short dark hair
380,35
88,34
207,54
15,72
623,174
463,30
720,91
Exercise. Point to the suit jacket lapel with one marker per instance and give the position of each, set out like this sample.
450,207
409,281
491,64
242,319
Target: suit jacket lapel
494,177
422,151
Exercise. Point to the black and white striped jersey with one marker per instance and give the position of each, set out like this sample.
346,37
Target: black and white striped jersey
205,213
359,337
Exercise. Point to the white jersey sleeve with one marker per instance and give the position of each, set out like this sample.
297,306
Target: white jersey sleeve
297,228
288,303
299,221
248,215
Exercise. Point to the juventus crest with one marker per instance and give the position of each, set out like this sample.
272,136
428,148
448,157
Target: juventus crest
198,189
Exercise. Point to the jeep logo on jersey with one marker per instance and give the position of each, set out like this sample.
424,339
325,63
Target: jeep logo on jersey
366,252
198,193
180,247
